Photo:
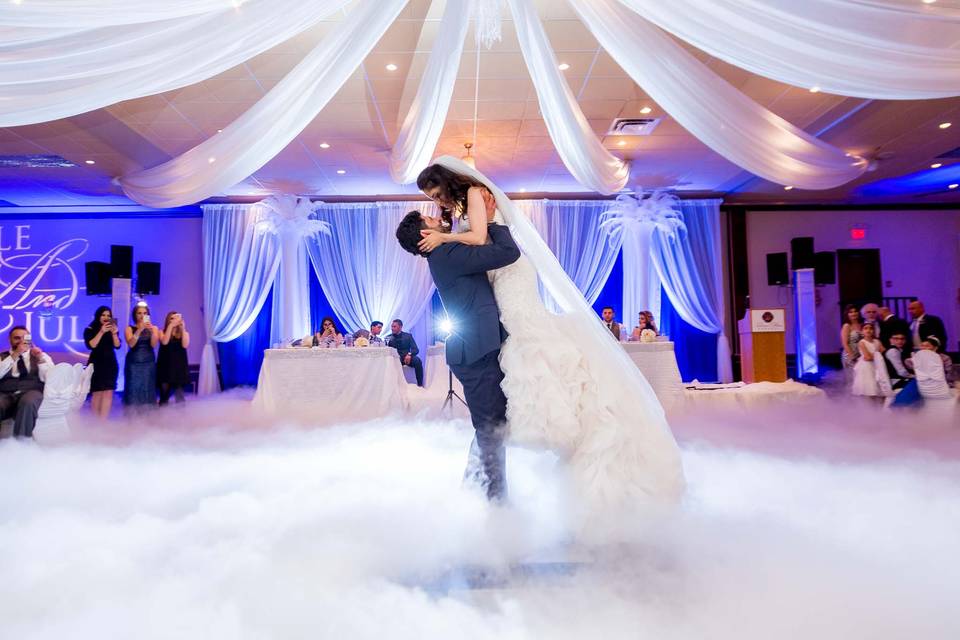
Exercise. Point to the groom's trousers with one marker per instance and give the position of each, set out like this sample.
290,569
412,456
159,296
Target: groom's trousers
488,412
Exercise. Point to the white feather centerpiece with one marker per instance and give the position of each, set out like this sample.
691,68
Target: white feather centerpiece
658,210
280,214
487,22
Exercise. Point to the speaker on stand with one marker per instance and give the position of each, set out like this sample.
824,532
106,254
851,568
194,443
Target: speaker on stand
777,273
148,278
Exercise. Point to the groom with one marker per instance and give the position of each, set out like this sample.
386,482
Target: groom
473,348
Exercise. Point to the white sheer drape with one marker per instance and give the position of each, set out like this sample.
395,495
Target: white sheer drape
887,50
641,284
363,271
571,228
581,151
91,14
240,264
59,73
424,122
268,126
707,106
690,269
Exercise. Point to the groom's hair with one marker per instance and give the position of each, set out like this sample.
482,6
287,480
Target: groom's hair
408,233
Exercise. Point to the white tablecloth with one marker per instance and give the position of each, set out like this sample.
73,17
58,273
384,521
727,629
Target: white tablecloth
331,385
749,397
657,362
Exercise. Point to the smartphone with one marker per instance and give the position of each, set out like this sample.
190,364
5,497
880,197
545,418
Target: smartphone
28,340
146,319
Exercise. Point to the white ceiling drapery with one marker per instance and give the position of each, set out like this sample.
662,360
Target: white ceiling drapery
81,14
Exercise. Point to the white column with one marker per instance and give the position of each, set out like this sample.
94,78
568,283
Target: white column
805,321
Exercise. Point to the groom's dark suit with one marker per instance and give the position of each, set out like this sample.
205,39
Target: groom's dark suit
473,349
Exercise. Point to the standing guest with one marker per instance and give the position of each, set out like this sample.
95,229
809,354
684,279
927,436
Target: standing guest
850,335
894,355
329,335
140,365
406,346
376,327
891,325
865,372
608,319
931,343
23,370
173,369
870,313
925,325
102,337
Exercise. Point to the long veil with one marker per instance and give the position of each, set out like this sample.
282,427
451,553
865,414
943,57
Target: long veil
636,456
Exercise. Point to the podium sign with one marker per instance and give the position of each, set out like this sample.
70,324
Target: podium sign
763,356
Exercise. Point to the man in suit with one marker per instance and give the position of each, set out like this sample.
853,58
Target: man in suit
894,358
891,325
608,319
925,325
23,370
473,348
407,347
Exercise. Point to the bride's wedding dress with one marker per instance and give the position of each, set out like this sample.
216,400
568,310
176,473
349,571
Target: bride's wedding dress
572,389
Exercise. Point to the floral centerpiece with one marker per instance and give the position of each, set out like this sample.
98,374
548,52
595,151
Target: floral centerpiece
361,342
648,335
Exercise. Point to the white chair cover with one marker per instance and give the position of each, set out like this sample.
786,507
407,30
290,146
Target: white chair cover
931,378
64,391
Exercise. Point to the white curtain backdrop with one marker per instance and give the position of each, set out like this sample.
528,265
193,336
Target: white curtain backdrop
581,151
424,122
363,271
60,73
268,126
707,106
571,228
886,50
690,269
641,284
240,264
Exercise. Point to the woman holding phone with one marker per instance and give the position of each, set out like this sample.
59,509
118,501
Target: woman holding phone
173,370
102,337
140,366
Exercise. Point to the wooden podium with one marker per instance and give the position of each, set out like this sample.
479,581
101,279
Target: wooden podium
763,356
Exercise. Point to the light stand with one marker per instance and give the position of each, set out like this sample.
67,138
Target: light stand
451,394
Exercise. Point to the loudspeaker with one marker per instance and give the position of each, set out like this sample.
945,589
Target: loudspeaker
777,269
801,253
98,278
148,278
825,267
121,261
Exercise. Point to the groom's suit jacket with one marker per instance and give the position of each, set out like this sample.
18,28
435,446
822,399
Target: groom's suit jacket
460,273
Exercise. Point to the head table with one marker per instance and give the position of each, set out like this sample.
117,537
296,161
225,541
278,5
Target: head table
332,385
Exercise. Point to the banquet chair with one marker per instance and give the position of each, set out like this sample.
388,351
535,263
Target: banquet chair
64,392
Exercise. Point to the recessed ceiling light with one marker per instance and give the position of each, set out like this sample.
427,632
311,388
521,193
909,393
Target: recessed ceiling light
324,145
953,186
90,162
645,110
563,66
929,1
523,190
219,130
341,171
622,143
936,165
211,159
788,188
391,67
945,125
814,89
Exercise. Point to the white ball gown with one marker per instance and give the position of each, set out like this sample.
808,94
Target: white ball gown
571,388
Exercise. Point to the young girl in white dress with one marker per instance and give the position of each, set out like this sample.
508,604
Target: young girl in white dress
865,381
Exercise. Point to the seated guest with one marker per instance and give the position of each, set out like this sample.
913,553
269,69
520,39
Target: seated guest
897,370
23,370
612,324
931,343
891,325
373,335
925,325
329,335
406,346
645,322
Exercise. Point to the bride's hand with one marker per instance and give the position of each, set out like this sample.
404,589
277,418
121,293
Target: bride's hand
431,240
490,203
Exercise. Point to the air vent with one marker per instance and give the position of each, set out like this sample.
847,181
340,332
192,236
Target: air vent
34,161
633,126
951,154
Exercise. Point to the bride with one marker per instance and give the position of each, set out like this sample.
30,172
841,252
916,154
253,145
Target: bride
582,397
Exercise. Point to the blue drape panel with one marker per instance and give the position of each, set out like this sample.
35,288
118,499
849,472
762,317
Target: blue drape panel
696,350
240,359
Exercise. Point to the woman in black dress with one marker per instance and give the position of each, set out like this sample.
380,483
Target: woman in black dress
173,370
103,339
140,365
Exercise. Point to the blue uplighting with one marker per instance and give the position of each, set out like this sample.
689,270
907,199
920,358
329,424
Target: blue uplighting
926,181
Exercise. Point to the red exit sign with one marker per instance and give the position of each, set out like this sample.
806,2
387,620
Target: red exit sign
858,233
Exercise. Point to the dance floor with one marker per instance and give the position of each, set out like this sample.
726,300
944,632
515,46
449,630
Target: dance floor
831,522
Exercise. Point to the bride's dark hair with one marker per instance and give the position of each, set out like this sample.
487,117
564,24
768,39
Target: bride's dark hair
453,188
